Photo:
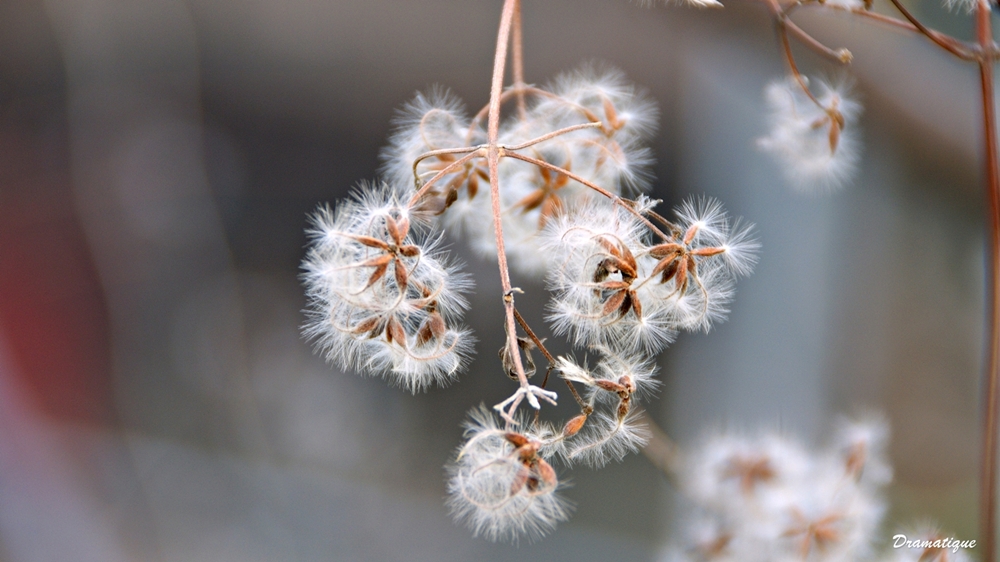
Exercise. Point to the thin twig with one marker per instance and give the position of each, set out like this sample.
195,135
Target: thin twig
786,47
553,134
440,152
842,56
548,356
661,450
988,495
493,160
512,91
934,36
445,171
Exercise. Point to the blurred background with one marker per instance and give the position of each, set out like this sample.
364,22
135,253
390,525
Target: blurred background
159,158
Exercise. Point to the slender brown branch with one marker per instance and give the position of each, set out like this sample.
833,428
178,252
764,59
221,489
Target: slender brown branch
493,160
988,495
439,152
786,48
506,95
674,229
957,47
531,334
661,450
934,36
552,360
842,56
445,171
614,198
553,134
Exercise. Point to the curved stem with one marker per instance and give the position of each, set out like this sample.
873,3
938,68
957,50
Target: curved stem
513,91
934,36
661,450
493,161
553,134
445,171
841,55
548,356
786,47
988,495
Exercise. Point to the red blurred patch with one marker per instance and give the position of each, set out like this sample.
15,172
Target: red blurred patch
52,310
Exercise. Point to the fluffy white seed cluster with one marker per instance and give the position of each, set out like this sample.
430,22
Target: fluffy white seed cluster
612,390
383,299
766,498
501,484
611,154
814,139
618,287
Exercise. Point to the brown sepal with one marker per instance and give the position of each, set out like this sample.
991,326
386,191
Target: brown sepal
394,333
402,277
574,425
432,329
369,325
610,386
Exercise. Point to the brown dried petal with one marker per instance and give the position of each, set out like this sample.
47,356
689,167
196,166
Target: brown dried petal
519,481
402,277
532,200
393,228
516,439
546,474
610,386
612,115
636,305
394,333
666,250
433,328
409,251
623,408
669,270
377,274
613,303
369,241
574,425
473,186
367,325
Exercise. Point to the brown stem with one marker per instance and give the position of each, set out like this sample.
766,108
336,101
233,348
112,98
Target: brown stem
445,171
988,497
786,47
934,36
439,152
553,134
958,48
552,360
493,161
514,91
614,198
661,449
842,56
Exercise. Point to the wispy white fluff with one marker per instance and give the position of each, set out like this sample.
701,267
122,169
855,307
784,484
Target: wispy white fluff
380,324
765,497
487,488
814,151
